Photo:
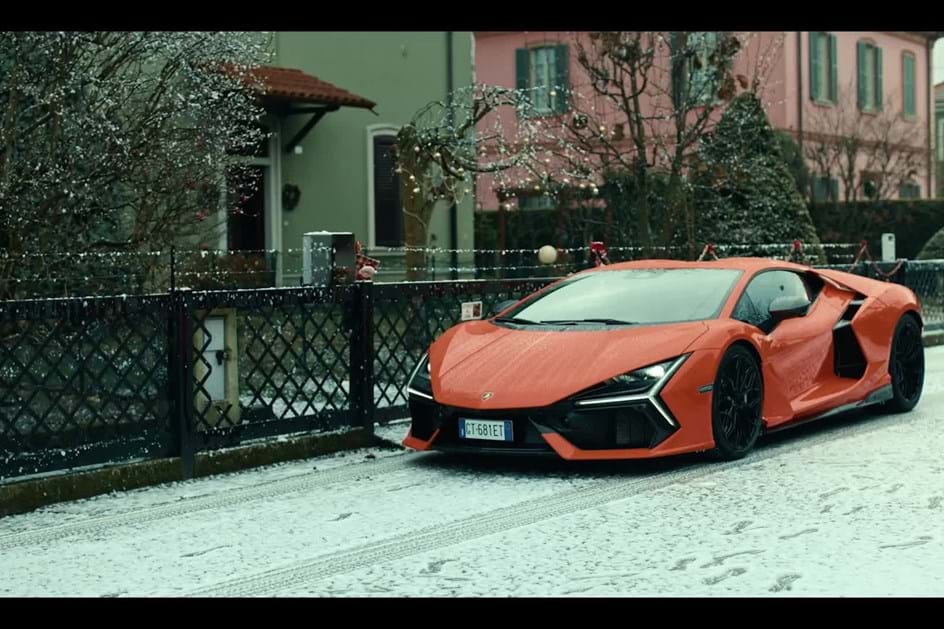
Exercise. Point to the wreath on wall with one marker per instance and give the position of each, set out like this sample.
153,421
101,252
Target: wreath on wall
291,195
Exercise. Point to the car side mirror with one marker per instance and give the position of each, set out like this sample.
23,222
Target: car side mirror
505,305
788,307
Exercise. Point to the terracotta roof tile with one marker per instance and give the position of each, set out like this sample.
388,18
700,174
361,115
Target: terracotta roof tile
289,84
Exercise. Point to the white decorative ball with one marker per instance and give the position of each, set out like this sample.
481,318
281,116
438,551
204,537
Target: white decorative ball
547,254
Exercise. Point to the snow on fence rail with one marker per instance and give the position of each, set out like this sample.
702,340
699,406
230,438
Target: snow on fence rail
105,379
63,273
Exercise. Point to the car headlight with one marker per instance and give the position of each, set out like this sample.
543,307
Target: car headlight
640,379
420,383
634,385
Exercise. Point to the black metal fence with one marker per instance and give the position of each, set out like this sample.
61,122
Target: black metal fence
926,279
97,380
84,381
87,381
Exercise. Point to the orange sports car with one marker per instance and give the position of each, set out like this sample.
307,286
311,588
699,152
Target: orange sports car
660,357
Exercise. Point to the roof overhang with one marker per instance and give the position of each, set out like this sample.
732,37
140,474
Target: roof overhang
289,91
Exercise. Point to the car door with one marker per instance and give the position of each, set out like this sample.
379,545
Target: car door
795,350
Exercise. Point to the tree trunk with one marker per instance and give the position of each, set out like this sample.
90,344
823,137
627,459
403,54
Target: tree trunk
642,198
678,215
414,234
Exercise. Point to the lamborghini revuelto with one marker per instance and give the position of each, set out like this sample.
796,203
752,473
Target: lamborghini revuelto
660,357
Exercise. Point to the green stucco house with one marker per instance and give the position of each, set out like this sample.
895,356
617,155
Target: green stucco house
334,103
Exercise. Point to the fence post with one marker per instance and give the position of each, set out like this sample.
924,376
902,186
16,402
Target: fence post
362,356
181,372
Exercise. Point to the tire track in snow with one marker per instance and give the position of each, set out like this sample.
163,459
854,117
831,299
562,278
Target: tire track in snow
228,498
442,535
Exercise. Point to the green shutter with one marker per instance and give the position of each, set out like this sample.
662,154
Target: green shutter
818,189
860,64
878,78
523,72
816,66
834,189
562,81
908,72
833,70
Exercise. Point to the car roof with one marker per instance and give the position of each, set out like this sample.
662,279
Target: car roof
740,264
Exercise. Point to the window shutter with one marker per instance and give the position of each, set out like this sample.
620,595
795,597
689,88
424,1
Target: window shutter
860,63
523,72
816,66
908,72
833,71
909,190
834,189
818,189
940,138
878,78
562,81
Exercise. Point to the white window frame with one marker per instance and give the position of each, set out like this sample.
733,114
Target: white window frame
374,130
549,54
705,43
866,177
538,202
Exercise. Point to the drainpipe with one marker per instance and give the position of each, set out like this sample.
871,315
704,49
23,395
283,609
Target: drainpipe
931,164
453,211
800,91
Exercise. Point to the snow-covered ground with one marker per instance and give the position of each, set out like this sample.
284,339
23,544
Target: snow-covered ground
852,506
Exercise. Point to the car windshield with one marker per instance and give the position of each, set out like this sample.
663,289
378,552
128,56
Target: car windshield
635,296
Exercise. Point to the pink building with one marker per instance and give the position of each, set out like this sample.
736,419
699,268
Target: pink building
817,86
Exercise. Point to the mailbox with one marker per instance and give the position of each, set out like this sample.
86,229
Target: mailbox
888,248
328,258
216,367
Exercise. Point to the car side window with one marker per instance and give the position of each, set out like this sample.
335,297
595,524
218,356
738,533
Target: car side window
753,306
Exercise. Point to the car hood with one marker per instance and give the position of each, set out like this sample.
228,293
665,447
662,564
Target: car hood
532,367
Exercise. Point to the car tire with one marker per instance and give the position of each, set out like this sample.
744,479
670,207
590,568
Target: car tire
737,404
906,365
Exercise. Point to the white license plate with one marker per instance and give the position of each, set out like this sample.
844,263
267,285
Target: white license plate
485,429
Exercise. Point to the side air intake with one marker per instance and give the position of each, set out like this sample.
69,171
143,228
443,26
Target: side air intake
849,360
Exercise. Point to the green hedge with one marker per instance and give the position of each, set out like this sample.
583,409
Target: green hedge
532,229
912,222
